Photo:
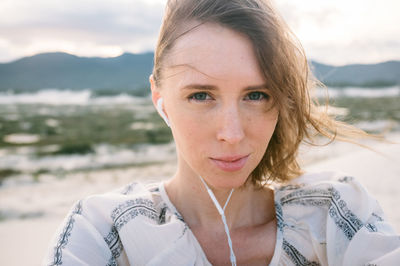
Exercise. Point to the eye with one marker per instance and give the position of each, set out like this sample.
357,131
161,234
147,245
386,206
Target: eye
256,96
200,96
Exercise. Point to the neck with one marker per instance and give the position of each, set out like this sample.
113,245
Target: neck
191,198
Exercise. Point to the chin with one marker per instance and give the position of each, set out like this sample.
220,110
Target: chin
228,181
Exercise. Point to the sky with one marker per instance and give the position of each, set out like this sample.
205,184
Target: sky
336,32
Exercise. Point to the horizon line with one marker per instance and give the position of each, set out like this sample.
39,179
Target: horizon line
152,51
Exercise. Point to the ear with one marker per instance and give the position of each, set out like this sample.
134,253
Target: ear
155,91
156,98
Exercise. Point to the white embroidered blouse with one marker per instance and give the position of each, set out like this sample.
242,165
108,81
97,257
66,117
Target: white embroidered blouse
323,219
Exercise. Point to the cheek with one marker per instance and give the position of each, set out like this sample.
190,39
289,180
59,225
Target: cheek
262,129
189,133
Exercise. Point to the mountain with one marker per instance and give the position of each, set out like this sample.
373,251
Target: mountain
373,75
131,72
61,70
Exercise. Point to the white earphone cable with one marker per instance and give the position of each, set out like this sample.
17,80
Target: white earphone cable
222,213
229,197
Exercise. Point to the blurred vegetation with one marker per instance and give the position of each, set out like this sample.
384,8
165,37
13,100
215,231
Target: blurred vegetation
74,148
4,173
369,84
140,92
77,129
369,109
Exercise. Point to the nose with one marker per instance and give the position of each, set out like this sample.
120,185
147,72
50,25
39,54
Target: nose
230,127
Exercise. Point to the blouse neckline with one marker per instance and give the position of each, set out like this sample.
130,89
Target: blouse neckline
279,236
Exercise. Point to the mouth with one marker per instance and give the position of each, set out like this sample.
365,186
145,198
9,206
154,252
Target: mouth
230,163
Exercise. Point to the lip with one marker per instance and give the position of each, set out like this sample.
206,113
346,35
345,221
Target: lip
230,163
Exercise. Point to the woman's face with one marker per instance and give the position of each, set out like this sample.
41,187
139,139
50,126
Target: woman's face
218,104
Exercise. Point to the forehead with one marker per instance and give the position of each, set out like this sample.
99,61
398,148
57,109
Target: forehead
214,51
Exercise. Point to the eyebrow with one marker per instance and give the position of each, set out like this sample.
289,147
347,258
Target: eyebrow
257,87
200,87
211,87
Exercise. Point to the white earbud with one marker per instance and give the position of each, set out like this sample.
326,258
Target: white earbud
161,111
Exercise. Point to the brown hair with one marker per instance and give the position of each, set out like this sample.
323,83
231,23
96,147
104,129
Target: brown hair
283,64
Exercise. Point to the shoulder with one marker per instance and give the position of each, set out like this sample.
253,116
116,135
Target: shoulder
323,217
97,221
135,199
324,178
113,210
322,188
318,198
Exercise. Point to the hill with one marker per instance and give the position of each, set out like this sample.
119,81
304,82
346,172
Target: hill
131,72
372,75
65,71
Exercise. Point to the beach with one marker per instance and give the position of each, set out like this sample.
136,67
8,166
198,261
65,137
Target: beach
35,210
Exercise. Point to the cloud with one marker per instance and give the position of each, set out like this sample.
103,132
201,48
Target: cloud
341,31
331,31
74,26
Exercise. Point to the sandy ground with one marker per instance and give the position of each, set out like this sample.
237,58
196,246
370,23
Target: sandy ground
35,210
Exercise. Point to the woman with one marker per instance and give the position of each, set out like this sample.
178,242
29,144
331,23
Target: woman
232,84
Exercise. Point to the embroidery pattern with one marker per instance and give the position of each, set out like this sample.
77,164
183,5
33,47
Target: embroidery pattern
346,220
279,216
371,227
346,179
66,233
154,189
128,189
112,262
378,218
161,218
185,229
130,209
179,216
290,187
313,197
114,243
296,257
